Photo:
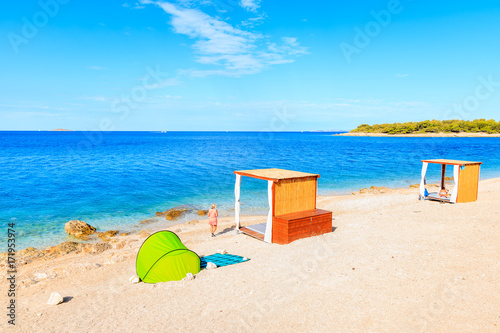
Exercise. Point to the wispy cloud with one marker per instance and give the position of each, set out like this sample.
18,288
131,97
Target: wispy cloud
230,50
250,5
135,5
94,98
402,75
97,68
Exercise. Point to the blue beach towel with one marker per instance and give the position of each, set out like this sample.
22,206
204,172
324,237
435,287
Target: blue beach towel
221,260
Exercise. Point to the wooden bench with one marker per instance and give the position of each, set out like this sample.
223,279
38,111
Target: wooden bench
290,227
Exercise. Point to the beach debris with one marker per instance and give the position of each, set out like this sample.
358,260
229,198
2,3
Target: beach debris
105,236
203,212
41,276
97,264
211,265
134,279
245,259
189,277
220,251
79,229
55,298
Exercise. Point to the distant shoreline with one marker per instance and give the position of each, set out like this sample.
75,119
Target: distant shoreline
425,135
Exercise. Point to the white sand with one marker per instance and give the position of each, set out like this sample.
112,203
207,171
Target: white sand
393,264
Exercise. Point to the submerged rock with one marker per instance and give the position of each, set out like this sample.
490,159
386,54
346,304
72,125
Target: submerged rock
149,220
79,229
203,212
173,213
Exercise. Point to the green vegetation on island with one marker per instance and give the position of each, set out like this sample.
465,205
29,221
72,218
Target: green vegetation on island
433,126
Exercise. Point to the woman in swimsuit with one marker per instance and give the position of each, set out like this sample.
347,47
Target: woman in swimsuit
212,215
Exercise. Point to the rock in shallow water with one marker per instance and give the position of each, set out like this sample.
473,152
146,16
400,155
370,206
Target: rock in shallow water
79,229
173,213
55,298
105,236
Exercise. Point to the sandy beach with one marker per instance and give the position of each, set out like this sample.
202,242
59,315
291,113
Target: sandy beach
426,135
392,263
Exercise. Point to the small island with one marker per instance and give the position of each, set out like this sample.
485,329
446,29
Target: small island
61,130
455,128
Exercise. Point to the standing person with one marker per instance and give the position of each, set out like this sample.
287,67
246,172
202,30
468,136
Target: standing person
212,215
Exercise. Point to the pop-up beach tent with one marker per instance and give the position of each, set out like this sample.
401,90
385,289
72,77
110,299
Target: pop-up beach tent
162,257
465,177
292,206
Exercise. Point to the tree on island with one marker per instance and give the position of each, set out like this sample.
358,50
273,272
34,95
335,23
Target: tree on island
433,126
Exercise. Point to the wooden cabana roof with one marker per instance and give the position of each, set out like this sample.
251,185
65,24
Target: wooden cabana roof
275,174
451,162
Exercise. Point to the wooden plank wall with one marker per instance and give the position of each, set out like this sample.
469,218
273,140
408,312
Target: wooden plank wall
288,228
468,183
295,195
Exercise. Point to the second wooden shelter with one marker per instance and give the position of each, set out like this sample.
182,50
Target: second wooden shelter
292,206
465,177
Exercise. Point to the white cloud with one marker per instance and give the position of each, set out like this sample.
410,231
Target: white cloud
402,75
172,97
250,5
135,5
97,68
234,51
94,98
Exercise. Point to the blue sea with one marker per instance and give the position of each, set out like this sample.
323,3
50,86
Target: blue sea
113,180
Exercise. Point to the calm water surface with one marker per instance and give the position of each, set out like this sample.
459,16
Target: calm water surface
115,179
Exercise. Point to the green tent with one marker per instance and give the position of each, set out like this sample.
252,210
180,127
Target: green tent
162,257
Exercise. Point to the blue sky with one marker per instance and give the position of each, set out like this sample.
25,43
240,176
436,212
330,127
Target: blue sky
246,65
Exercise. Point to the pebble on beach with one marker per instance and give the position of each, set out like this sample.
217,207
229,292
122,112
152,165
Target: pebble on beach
211,265
55,299
134,279
189,277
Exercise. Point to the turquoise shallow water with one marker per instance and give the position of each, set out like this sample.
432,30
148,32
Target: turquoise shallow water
115,179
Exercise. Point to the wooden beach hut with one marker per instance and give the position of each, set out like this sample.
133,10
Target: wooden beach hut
465,177
292,206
